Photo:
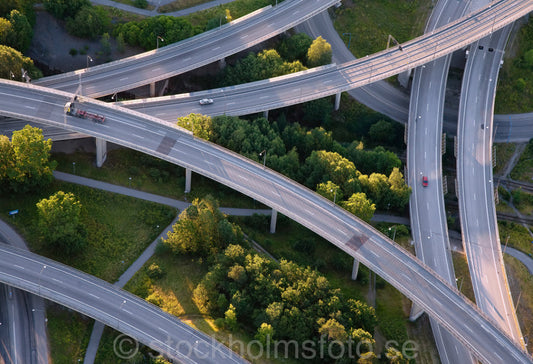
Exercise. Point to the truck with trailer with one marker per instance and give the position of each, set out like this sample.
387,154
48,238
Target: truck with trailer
73,110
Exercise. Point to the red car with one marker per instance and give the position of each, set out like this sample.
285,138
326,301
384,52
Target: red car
424,181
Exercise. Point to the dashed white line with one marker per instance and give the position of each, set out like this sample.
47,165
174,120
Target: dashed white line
186,59
137,136
156,69
123,78
57,280
18,266
216,48
131,313
29,107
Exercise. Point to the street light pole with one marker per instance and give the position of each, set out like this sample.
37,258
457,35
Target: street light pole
89,59
162,40
334,195
264,155
394,234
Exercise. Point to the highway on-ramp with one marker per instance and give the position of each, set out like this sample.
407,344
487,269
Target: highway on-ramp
149,135
475,183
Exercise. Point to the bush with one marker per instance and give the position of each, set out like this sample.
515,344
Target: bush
90,22
155,271
73,52
140,4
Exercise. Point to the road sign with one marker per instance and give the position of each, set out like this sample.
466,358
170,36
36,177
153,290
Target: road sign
13,212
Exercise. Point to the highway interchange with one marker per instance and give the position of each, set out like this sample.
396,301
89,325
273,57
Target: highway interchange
424,158
110,139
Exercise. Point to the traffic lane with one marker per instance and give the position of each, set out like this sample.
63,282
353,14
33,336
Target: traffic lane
347,219
128,310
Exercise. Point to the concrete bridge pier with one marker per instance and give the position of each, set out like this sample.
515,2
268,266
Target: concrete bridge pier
265,114
101,151
416,312
222,63
273,220
152,89
337,101
355,269
188,175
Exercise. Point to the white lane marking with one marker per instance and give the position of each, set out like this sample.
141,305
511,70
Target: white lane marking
244,36
95,296
165,331
216,48
309,212
156,69
186,59
29,107
264,97
231,103
160,113
131,313
57,280
475,197
18,266
296,12
242,177
374,253
137,136
123,78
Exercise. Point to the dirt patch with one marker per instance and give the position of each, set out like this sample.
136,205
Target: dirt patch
51,45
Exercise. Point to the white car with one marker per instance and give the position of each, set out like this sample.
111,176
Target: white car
206,101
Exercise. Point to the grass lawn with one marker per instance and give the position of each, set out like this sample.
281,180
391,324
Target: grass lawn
504,152
155,176
132,3
68,334
371,22
464,282
521,285
519,237
179,5
523,170
121,16
119,227
237,9
515,83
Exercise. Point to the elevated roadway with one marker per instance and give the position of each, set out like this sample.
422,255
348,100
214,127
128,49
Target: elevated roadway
149,135
424,158
189,54
475,183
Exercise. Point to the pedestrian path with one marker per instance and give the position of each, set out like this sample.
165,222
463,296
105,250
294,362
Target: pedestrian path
157,4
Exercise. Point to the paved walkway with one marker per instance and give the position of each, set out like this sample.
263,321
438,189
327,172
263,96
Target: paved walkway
157,4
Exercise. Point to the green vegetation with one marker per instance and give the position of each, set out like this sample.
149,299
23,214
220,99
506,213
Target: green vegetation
119,228
89,22
11,61
65,9
523,170
180,5
25,163
371,22
504,152
521,285
16,31
68,334
464,282
319,53
519,237
59,223
515,83
523,201
149,174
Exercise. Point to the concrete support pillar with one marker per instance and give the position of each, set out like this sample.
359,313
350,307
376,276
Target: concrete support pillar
152,89
355,269
265,114
273,220
188,175
222,63
337,101
101,151
416,312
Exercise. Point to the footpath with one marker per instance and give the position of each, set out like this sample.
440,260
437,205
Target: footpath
157,4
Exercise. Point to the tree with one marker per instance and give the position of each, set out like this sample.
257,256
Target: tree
32,159
6,31
322,166
202,125
295,47
395,356
89,22
400,191
265,333
120,42
7,162
319,53
105,44
330,190
201,231
382,132
528,58
59,223
7,5
360,206
22,31
63,9
11,61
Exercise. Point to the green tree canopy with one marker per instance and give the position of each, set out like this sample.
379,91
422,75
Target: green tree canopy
319,53
330,190
12,60
202,230
22,31
7,5
89,22
63,9
295,47
322,166
360,206
26,164
60,223
202,125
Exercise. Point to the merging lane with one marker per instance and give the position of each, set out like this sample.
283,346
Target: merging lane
476,188
149,135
